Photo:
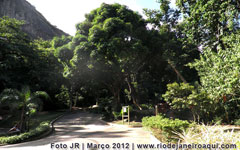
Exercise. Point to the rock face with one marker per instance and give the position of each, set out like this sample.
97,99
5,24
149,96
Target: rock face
36,26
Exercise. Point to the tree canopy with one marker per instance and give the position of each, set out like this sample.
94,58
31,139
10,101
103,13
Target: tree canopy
114,49
208,22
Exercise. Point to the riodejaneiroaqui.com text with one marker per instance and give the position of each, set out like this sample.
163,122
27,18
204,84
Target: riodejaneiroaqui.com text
133,146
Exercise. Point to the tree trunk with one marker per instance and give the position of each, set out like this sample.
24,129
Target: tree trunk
117,101
176,71
115,89
133,92
71,99
22,120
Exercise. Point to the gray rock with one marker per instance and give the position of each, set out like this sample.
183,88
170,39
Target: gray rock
36,26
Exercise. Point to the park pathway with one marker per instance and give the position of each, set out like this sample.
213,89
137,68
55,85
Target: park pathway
85,129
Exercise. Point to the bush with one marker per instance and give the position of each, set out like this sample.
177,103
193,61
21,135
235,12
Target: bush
147,106
137,115
43,127
202,134
168,127
237,122
184,97
105,108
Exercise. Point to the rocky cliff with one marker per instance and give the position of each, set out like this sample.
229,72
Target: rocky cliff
36,26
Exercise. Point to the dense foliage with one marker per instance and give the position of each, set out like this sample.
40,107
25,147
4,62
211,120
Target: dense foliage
114,53
182,97
208,22
24,62
219,75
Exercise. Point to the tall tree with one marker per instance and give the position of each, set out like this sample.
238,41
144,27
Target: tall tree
16,54
26,62
178,51
115,44
208,21
219,74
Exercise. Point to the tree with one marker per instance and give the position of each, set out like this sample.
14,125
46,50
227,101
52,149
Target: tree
16,56
63,51
166,19
115,44
208,22
177,51
27,62
219,76
47,73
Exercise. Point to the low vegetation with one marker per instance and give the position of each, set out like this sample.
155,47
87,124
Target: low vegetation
178,131
39,130
202,134
165,128
37,127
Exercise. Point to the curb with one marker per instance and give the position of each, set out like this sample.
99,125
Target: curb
45,134
51,124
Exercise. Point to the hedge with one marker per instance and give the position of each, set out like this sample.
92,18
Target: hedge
42,128
167,127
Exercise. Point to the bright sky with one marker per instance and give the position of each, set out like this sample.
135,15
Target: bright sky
65,14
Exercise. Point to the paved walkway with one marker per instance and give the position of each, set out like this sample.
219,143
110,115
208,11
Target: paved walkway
85,129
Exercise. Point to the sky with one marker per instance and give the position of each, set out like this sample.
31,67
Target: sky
65,14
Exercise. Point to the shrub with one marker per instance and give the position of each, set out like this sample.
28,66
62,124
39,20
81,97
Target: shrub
184,97
167,126
137,115
237,122
63,97
105,108
43,127
147,106
202,134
